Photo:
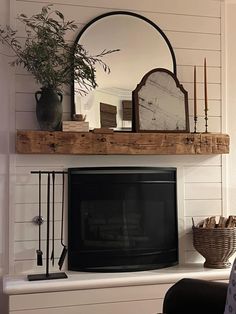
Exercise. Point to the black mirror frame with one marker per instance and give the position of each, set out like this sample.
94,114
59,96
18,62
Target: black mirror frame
110,14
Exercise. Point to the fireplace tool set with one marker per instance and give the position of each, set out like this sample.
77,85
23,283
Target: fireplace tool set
50,234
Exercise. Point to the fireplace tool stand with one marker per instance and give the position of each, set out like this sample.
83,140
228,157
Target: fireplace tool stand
47,275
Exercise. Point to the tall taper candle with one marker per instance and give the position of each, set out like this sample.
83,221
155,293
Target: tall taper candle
195,92
205,85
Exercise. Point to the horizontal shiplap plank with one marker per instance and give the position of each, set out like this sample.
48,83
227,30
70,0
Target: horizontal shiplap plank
138,307
185,23
26,250
214,124
28,193
25,83
202,191
28,121
194,257
214,107
189,242
166,21
202,174
26,212
185,74
203,8
29,231
194,40
24,175
213,90
202,208
26,102
116,161
92,296
196,57
30,266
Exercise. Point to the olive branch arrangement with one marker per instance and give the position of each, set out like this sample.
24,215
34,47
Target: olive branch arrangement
46,54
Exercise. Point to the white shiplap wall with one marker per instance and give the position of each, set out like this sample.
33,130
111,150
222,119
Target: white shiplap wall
194,30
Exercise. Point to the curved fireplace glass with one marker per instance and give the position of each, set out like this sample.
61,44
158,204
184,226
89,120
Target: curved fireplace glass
122,218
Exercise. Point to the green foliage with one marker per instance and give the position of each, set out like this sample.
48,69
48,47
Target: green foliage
47,55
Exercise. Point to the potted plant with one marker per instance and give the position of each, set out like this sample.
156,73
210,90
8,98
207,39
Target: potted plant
52,60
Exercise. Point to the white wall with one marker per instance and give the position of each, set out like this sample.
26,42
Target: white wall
231,99
194,30
4,155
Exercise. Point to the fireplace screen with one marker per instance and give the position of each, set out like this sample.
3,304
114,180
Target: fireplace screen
122,219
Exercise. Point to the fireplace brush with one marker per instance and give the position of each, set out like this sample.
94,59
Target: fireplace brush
47,274
64,251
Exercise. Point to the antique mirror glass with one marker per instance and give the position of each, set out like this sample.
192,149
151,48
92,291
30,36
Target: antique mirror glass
160,103
143,46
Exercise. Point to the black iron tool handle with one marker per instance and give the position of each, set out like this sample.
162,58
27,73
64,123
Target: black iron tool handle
53,216
48,226
39,251
64,251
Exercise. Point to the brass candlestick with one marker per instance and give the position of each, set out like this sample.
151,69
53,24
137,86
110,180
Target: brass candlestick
195,124
195,98
205,96
206,121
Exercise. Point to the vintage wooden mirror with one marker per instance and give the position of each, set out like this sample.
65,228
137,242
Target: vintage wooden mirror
160,103
143,46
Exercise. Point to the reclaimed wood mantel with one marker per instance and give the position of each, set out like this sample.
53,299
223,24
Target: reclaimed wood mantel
121,143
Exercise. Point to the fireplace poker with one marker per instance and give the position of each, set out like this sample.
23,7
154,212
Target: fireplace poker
64,251
39,251
53,216
48,226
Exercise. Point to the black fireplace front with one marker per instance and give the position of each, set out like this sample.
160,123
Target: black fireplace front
122,218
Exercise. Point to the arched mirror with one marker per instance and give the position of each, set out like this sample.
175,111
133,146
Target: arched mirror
160,103
143,46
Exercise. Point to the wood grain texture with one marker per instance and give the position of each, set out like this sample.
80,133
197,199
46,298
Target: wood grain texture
43,142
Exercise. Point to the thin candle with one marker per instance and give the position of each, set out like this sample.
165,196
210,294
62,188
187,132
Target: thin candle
205,85
195,92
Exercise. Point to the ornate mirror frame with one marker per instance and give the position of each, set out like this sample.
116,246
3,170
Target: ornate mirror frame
160,103
115,13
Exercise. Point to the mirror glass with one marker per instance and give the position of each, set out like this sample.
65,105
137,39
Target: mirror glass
143,46
160,103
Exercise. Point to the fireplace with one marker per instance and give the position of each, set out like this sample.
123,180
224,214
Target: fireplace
122,218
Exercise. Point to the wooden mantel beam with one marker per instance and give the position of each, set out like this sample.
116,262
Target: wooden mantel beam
121,143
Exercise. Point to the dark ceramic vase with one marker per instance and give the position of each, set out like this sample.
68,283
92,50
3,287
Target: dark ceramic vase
49,109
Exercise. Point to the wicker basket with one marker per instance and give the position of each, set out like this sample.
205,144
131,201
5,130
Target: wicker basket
216,245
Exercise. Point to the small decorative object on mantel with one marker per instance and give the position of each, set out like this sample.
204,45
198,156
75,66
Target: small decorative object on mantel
216,242
160,103
108,115
75,126
103,131
78,125
52,60
79,117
